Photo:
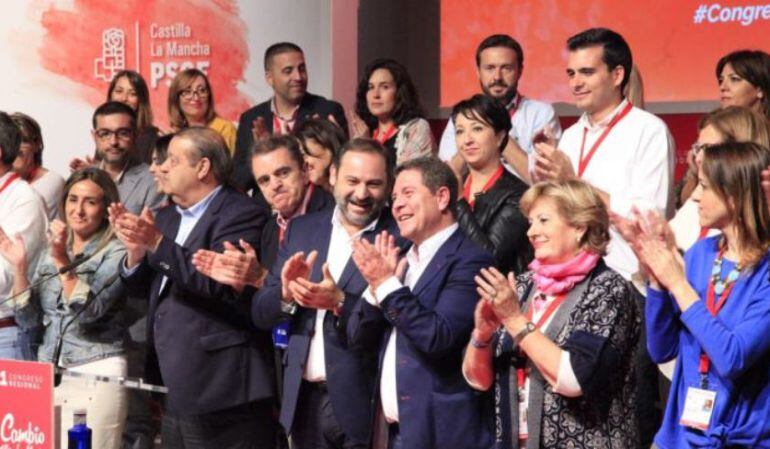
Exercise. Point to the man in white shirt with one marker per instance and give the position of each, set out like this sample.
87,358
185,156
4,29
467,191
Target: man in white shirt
425,303
499,65
627,154
22,212
328,388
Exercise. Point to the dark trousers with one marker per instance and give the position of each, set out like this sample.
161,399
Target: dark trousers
315,426
246,426
648,416
394,436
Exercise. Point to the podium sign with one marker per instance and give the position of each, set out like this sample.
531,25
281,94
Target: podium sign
26,405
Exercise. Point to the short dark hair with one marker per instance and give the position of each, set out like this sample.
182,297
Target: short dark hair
488,110
754,67
616,50
408,104
30,133
277,49
371,146
114,107
161,147
10,139
273,143
209,144
501,40
435,174
326,133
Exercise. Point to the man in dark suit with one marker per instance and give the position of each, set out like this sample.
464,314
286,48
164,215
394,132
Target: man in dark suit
286,73
216,365
425,304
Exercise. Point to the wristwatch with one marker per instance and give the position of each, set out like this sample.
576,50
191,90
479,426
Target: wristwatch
528,329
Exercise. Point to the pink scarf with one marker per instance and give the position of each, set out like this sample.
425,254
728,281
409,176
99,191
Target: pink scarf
554,279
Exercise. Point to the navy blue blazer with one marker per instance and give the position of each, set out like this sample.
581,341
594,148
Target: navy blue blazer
210,355
436,407
350,376
311,105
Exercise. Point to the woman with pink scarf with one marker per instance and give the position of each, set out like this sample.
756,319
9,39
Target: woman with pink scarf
556,343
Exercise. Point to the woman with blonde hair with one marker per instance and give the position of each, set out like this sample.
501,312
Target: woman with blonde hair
191,103
557,343
730,124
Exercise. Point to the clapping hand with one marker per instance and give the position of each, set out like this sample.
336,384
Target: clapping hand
296,267
259,130
79,164
137,232
13,250
234,267
499,291
380,261
357,126
552,164
57,242
322,295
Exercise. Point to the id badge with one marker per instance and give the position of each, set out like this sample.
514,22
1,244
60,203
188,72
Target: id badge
523,403
698,407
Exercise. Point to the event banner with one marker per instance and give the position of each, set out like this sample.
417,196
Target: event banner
26,405
675,44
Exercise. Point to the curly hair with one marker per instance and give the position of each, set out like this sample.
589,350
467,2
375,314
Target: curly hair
408,104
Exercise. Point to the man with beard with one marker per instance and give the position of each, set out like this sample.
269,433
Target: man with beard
286,73
499,65
327,388
114,135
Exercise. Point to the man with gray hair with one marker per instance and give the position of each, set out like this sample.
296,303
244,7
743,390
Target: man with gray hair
215,363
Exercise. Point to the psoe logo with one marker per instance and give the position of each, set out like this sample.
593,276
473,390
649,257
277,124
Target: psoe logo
29,435
113,57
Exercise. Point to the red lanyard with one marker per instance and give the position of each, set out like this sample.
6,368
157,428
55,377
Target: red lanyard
521,373
584,161
384,137
704,232
467,187
9,181
714,306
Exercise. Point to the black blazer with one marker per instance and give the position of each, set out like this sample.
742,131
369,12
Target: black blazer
497,224
350,375
268,251
209,354
310,106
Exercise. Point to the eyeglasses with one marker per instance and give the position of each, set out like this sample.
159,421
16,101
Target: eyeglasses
120,133
188,94
698,147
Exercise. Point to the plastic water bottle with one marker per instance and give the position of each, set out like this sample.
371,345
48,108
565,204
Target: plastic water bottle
79,434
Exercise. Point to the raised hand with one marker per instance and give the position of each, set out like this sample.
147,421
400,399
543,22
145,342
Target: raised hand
57,242
259,129
317,295
357,126
551,164
380,261
79,164
485,321
295,267
664,264
499,291
137,232
13,250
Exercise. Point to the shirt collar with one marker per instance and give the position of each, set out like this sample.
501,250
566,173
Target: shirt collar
197,209
337,223
119,178
274,110
585,121
301,210
427,249
514,103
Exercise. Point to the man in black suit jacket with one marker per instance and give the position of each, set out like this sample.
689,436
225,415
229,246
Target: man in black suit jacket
286,73
216,365
328,389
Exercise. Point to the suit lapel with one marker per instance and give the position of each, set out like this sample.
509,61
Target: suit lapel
439,261
169,230
324,236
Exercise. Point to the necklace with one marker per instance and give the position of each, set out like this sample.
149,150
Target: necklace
721,284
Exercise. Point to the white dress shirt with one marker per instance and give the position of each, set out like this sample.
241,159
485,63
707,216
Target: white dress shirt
418,259
22,211
634,165
530,118
50,187
340,250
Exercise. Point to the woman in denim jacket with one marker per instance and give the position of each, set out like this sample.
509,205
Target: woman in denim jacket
80,308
